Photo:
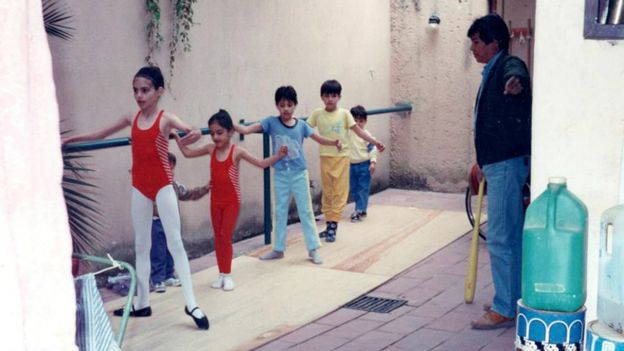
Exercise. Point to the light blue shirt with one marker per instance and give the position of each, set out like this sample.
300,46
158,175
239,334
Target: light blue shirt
292,137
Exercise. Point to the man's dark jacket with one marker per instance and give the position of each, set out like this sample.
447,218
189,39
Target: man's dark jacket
503,127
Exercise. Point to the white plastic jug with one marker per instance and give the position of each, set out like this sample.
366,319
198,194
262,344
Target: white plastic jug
611,276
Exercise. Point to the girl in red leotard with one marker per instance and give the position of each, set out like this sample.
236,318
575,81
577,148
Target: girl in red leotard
225,188
152,183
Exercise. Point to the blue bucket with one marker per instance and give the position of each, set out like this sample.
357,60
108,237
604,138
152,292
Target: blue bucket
602,338
548,330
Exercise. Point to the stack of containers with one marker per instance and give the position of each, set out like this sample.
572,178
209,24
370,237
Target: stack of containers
551,313
607,333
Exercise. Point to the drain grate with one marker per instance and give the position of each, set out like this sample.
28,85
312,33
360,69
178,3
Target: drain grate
375,304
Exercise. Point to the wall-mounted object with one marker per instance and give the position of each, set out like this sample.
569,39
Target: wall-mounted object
434,21
604,19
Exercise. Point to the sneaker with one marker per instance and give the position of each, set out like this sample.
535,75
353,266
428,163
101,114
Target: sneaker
228,283
217,284
272,255
315,256
160,287
332,229
173,281
355,217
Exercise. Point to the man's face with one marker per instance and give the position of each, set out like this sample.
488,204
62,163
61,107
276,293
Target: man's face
483,52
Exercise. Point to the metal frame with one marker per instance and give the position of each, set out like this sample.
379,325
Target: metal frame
128,306
266,152
593,29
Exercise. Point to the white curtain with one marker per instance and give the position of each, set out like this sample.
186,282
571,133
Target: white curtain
37,308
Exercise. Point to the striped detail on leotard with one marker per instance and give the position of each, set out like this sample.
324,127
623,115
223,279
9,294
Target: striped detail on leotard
162,147
234,178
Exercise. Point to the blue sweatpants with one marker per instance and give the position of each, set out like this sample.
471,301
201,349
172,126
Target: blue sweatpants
359,184
161,260
297,183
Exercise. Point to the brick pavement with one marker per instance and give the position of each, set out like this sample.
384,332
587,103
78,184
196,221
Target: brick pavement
435,317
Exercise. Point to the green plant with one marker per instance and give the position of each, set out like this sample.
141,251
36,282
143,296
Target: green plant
182,24
82,209
56,19
154,38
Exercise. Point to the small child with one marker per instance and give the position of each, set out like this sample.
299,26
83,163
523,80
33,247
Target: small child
225,187
161,259
291,174
363,161
334,123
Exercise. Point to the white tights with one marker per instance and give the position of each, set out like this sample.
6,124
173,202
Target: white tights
142,211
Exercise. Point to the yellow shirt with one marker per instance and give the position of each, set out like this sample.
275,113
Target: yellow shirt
359,149
333,125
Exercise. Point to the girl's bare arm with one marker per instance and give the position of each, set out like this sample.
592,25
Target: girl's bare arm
173,121
193,152
119,124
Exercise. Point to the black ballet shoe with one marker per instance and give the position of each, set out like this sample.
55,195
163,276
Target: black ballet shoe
202,323
143,312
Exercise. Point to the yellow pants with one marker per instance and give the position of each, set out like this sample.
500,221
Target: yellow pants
335,184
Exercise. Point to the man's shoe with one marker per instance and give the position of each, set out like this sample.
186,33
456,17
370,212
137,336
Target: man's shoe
355,217
492,320
143,312
363,214
160,287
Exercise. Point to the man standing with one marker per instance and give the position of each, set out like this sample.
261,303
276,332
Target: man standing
503,146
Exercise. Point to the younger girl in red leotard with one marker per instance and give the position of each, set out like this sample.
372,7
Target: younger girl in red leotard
225,187
152,183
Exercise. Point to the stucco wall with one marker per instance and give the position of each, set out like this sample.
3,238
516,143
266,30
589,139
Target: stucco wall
435,71
241,52
577,116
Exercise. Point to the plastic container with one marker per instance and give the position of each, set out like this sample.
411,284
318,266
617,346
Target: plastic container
611,273
554,250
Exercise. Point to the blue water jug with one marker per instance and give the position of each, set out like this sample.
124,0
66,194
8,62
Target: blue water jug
554,250
611,273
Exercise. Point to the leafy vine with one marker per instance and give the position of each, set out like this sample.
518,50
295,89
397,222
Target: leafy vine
154,38
182,24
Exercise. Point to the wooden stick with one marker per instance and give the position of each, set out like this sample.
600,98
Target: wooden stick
473,258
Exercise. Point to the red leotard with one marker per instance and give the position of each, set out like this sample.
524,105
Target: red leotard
150,163
224,178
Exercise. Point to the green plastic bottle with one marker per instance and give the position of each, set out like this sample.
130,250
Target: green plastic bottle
554,250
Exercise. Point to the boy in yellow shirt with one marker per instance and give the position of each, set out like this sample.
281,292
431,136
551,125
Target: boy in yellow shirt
335,123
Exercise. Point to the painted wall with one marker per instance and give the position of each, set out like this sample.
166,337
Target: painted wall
435,71
577,116
241,52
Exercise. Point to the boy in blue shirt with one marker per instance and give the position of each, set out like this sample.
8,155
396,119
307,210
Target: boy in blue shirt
291,174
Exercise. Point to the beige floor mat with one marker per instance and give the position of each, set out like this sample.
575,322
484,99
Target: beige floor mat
273,298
